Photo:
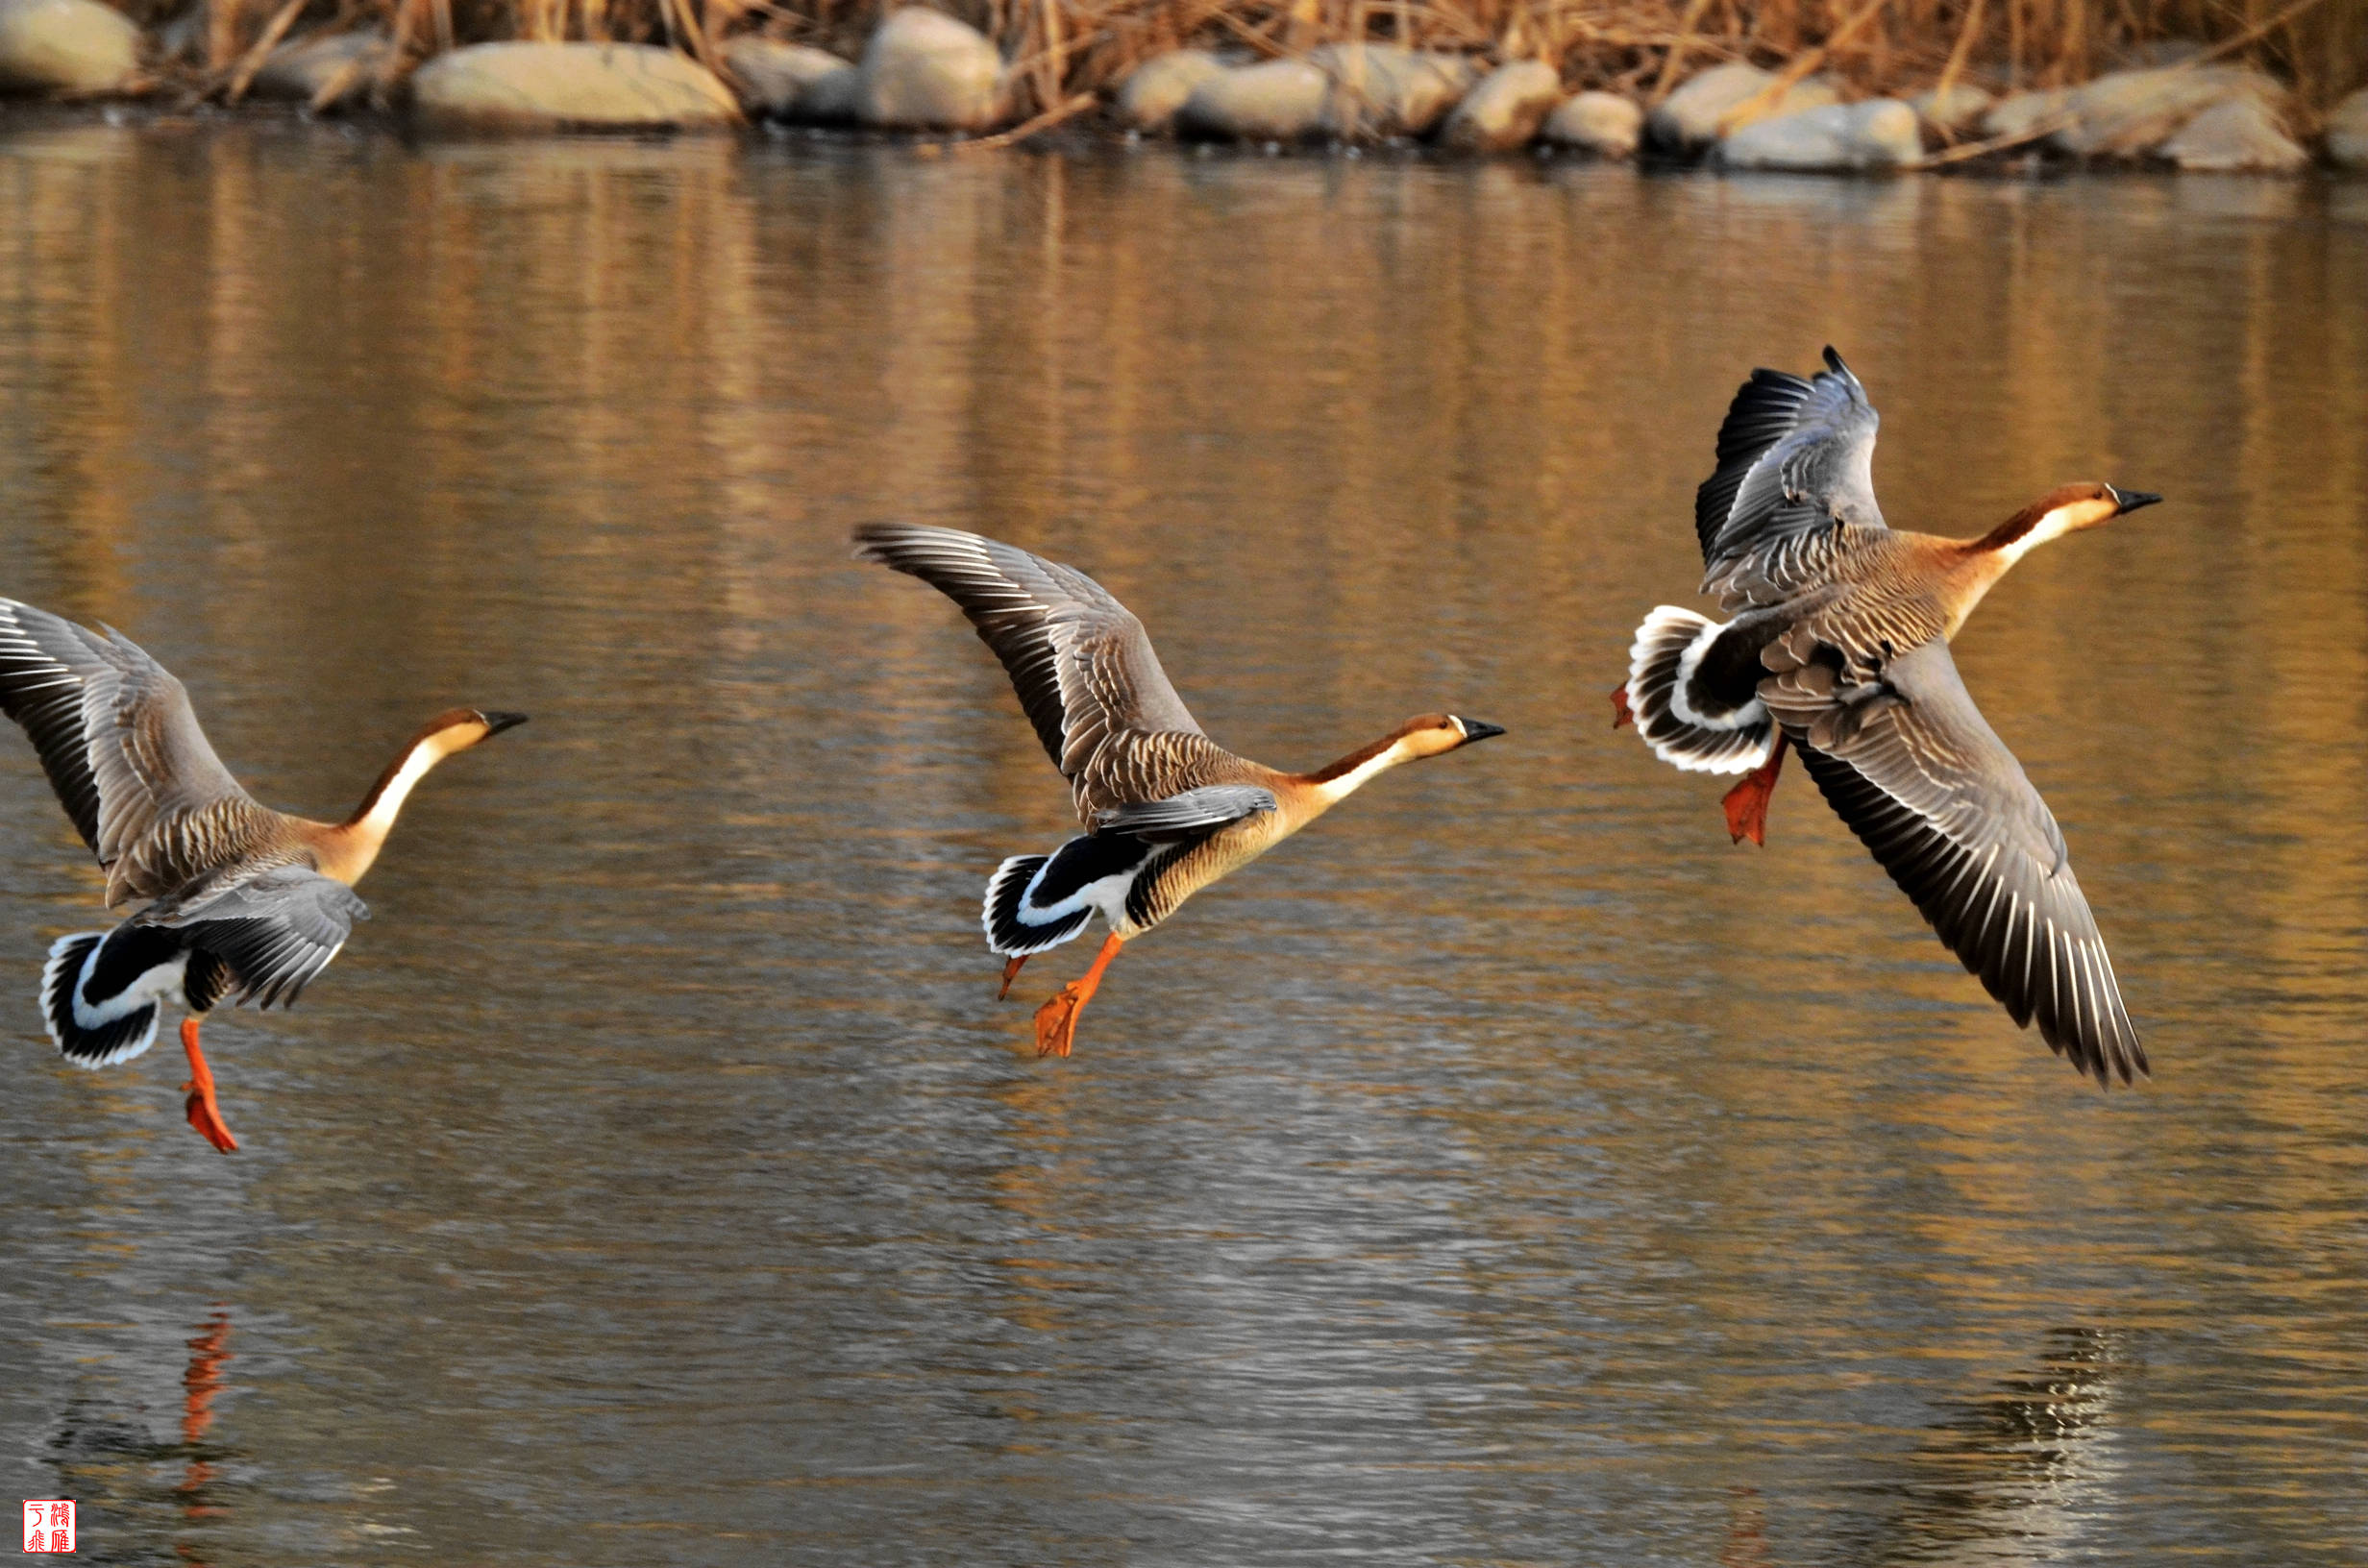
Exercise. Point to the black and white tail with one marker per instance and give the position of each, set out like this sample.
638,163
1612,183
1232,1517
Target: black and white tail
101,991
1039,901
1662,696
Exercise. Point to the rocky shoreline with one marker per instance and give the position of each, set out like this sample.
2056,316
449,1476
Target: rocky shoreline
923,71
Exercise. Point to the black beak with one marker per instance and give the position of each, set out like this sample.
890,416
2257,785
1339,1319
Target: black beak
1475,730
496,723
2132,499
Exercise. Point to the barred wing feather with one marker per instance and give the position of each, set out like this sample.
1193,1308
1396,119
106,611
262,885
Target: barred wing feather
273,932
1795,457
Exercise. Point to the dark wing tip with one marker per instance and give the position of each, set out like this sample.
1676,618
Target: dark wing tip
1833,362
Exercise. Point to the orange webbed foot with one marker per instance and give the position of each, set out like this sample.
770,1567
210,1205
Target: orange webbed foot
1056,1021
1011,972
204,1112
1746,804
1622,712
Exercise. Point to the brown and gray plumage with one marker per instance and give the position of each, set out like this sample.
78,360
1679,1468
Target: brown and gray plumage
1839,645
243,901
1166,810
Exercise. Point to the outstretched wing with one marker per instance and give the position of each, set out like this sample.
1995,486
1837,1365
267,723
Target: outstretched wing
1922,778
272,932
1080,660
1796,460
123,750
1188,814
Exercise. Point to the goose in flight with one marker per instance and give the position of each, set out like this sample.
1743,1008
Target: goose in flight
1839,645
1167,811
242,902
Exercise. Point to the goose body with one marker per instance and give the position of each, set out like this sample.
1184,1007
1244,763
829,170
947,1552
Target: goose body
1838,646
238,901
1167,811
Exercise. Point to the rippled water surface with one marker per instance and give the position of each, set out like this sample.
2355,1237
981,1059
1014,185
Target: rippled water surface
1507,1171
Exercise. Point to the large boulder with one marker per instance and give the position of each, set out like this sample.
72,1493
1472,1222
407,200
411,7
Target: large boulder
1602,123
1952,114
1878,133
300,71
1712,103
558,86
2127,113
2020,115
922,70
2237,136
65,46
1381,90
1505,110
1277,100
1155,90
774,78
2347,132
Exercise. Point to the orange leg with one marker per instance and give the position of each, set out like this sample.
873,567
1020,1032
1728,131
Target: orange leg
1011,972
204,1114
1622,712
1056,1021
1747,803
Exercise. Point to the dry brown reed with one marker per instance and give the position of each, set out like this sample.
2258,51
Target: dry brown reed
1062,48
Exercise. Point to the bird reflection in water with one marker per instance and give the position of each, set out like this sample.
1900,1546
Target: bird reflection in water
2017,1476
208,1353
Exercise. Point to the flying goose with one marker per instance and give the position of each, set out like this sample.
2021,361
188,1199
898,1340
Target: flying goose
1839,645
243,901
1166,810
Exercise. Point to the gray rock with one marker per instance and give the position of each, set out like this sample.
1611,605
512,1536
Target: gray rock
65,46
772,77
1878,133
2347,132
834,99
1505,110
1696,116
556,86
1276,100
299,71
2237,136
922,70
1382,90
1602,123
2127,114
1155,90
2022,113
1955,114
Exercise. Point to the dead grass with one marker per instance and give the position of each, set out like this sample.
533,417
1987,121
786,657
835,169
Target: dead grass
1062,48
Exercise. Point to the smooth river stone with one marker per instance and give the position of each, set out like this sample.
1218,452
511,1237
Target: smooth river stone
1382,90
1155,90
1277,100
1692,118
2347,132
65,46
774,78
1602,123
554,86
2127,113
924,70
2237,136
300,70
2021,114
1878,133
1956,113
1505,110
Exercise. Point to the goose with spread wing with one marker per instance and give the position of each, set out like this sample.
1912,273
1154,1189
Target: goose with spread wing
1166,810
243,902
1839,645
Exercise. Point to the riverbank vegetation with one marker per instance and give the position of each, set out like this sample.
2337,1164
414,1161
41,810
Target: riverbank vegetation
1062,48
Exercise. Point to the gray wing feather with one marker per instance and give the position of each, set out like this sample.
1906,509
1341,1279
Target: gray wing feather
124,751
274,930
1082,663
1911,766
1795,457
1181,815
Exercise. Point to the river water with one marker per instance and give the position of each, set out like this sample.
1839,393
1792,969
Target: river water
1509,1171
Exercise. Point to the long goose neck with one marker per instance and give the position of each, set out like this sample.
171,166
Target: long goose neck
354,842
1327,787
